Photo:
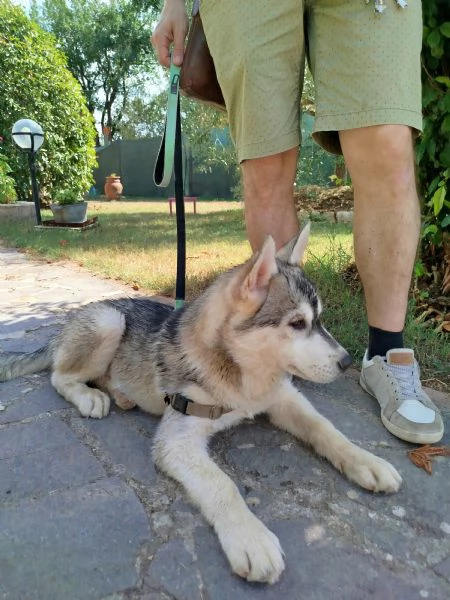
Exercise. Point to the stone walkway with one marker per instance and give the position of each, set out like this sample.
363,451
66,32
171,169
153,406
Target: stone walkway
85,516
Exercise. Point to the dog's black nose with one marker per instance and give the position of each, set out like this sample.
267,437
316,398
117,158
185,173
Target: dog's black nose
345,362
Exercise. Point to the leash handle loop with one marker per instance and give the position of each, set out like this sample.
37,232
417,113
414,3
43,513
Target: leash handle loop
165,159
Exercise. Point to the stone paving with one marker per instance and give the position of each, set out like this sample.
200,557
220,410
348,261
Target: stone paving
84,515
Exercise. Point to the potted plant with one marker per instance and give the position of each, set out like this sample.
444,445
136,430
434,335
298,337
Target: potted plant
113,187
69,207
10,208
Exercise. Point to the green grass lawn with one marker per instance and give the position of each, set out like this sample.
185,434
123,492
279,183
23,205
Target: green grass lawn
136,244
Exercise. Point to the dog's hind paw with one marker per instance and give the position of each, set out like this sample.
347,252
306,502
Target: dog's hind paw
253,551
372,472
122,400
94,403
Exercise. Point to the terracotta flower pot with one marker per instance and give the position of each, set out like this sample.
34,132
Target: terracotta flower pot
113,187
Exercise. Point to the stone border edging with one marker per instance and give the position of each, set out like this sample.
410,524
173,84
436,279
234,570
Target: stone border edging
334,216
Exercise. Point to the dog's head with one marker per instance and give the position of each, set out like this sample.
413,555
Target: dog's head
278,315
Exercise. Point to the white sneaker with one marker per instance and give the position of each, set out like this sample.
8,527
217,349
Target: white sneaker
406,410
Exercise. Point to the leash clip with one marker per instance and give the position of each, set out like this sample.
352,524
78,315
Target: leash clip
175,83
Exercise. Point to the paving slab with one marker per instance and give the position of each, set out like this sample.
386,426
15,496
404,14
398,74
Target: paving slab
85,515
78,544
35,396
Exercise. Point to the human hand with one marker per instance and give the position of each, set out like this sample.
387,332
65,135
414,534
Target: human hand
171,29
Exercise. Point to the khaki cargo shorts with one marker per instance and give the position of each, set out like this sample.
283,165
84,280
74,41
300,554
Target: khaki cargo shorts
366,67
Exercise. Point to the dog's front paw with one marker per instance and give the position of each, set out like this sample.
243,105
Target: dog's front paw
93,403
253,551
371,472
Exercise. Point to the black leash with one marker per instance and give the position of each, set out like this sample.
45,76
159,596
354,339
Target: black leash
180,288
170,160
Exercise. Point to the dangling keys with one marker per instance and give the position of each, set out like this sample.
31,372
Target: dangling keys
380,5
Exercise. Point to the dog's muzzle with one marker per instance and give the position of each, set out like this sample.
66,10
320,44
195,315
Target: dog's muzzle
345,362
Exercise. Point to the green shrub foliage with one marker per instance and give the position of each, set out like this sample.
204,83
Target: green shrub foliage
8,193
36,84
433,149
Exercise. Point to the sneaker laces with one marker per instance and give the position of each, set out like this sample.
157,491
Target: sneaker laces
413,402
407,378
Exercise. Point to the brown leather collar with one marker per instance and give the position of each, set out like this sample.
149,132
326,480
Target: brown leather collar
190,408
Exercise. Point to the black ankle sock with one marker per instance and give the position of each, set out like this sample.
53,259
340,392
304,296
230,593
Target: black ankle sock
381,341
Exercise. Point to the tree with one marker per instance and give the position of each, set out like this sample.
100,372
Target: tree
205,131
143,117
108,48
35,83
433,149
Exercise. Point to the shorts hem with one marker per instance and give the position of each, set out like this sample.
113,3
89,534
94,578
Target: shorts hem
326,127
268,147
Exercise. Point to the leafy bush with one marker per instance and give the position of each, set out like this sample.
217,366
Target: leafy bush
315,166
36,84
433,149
8,193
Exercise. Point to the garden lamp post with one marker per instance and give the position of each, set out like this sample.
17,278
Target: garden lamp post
29,137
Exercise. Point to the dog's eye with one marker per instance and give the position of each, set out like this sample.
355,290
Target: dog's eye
298,324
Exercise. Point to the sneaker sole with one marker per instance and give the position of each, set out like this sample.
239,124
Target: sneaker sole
407,436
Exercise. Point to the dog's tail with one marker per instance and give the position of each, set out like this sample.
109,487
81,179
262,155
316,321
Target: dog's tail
14,364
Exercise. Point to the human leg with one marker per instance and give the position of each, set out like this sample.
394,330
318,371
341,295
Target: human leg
386,233
375,105
386,222
268,198
261,76
369,114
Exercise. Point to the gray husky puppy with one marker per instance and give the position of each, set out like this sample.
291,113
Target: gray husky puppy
226,357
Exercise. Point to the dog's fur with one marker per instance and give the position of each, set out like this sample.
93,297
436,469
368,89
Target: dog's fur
236,346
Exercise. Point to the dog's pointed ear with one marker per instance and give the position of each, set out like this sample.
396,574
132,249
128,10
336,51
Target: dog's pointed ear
255,285
294,250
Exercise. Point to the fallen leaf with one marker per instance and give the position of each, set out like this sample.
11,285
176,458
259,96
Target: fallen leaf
422,456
